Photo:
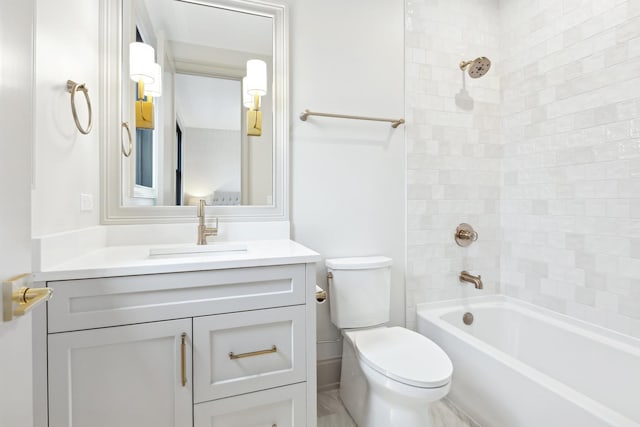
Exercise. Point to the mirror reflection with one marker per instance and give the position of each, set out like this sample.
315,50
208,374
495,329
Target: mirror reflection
198,86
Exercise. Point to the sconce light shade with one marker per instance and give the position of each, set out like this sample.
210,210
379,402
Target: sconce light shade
141,60
155,88
256,77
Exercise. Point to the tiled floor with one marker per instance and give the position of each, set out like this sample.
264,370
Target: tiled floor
331,413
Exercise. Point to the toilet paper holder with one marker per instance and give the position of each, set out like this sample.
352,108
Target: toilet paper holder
321,295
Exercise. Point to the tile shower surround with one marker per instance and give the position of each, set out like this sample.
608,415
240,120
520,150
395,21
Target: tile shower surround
454,148
545,163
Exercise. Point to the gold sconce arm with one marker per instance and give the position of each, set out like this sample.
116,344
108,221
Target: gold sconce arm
254,118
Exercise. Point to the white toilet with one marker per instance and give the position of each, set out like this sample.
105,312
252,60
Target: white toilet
390,375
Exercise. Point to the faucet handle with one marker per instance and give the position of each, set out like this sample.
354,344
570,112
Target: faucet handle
465,235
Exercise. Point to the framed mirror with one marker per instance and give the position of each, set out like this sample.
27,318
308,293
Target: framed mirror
180,124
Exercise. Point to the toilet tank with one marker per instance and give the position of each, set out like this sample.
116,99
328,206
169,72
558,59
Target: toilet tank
360,291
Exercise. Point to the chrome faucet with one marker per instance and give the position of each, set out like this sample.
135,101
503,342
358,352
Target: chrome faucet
203,230
465,276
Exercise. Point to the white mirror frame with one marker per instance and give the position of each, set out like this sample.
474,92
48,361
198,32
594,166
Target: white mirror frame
111,132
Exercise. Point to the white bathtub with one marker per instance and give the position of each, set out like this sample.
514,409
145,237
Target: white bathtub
519,365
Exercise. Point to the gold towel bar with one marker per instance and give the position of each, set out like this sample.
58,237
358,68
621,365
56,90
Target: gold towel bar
394,122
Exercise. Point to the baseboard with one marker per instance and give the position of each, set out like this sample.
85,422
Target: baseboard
327,387
328,371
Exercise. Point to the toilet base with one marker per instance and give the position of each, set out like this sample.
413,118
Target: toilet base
373,400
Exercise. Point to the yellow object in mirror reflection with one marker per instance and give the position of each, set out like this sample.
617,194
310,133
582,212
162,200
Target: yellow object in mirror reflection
254,123
254,118
144,109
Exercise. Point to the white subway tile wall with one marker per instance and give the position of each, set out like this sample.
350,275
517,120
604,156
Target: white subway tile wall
454,148
541,155
570,195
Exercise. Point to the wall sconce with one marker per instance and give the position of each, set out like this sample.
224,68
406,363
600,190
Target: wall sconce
148,75
254,86
141,60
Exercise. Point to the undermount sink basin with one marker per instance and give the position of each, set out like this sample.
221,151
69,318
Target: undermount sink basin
193,249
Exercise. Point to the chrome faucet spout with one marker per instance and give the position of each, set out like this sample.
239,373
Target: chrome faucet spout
203,230
465,276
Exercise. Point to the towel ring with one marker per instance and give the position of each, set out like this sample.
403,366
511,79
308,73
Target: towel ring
126,153
74,87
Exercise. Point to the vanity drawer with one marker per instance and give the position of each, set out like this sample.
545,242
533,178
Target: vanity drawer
94,303
282,407
244,352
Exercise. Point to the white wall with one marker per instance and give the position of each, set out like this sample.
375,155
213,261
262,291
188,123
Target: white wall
66,162
211,161
453,148
347,176
571,184
16,116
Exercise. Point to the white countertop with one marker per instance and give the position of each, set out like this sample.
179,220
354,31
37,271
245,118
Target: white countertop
135,260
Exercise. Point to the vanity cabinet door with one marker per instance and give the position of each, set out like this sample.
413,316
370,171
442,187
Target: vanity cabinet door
126,376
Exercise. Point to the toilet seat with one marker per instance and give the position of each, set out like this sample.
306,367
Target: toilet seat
404,356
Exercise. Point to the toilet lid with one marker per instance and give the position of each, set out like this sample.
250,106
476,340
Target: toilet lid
405,356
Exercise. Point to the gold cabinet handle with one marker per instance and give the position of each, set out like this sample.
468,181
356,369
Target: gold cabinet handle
183,359
233,356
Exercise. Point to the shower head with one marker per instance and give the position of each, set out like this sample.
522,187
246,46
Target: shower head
477,67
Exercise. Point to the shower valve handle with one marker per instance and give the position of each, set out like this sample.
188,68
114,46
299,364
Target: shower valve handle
465,235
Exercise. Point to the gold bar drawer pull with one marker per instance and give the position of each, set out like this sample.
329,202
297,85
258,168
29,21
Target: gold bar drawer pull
233,356
183,359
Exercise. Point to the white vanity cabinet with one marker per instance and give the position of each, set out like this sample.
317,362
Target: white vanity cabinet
232,347
121,376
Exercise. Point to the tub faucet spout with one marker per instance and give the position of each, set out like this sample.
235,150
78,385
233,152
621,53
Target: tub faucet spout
465,276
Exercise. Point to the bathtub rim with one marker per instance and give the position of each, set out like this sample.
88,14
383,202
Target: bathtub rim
433,311
612,337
